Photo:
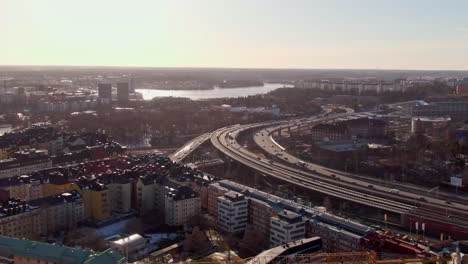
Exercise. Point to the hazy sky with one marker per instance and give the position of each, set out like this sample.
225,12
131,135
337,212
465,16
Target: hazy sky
384,34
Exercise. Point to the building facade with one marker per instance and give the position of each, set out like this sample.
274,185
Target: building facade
20,219
232,212
61,212
266,214
181,205
105,93
24,162
96,199
456,110
123,92
285,227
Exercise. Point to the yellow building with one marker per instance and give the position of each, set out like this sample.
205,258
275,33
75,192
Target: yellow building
27,188
55,188
96,199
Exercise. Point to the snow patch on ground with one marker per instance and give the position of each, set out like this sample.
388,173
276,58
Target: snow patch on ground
113,229
156,238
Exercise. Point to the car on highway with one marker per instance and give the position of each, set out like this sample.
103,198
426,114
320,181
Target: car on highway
301,164
394,191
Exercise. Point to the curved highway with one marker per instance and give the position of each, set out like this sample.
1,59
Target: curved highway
327,182
190,146
264,139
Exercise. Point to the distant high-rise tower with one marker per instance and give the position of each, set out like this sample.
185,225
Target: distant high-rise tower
122,92
105,92
21,90
131,83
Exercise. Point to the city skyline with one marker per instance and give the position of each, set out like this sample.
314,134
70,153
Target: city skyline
416,35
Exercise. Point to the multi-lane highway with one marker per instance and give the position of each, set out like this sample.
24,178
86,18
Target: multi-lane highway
328,182
225,141
190,146
264,139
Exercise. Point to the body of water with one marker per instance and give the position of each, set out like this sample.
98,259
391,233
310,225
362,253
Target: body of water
149,94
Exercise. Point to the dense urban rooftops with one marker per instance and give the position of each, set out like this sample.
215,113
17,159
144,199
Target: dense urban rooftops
53,253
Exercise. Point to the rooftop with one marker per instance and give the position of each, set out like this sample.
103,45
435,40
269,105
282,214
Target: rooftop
182,193
234,196
55,253
62,198
289,217
432,118
311,213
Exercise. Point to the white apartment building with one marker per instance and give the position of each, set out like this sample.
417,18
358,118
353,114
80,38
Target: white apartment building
181,205
146,199
232,212
286,227
360,86
15,167
61,212
120,193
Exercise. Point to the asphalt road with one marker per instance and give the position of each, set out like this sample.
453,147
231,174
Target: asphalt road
327,181
190,146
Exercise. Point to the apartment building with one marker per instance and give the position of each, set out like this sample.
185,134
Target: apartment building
456,110
62,147
21,187
329,132
196,180
349,128
354,86
29,187
339,234
214,191
118,185
96,198
120,192
19,219
462,90
286,227
260,213
61,212
24,162
181,205
232,212
146,195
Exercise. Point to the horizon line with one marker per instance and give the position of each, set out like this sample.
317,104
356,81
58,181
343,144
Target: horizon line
231,68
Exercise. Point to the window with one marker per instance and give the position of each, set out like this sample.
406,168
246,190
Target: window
275,223
300,231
